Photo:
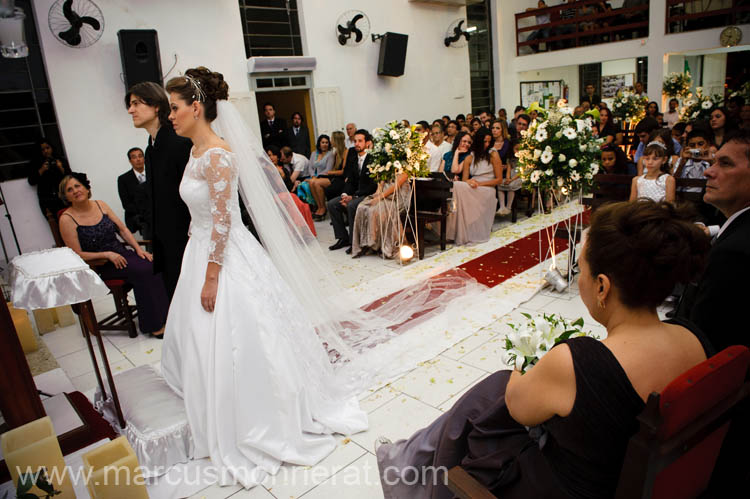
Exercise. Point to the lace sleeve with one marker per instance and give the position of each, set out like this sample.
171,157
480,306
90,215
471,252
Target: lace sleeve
219,174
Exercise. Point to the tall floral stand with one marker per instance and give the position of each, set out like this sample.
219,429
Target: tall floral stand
393,218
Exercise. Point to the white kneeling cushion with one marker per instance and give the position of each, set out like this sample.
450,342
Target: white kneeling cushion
156,423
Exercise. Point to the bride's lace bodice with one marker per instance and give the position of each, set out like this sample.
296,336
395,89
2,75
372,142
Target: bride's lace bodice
209,189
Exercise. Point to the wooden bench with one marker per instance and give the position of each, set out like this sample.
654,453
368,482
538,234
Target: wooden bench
692,197
609,188
681,432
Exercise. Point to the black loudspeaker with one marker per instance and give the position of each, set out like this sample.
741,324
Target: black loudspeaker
139,52
392,54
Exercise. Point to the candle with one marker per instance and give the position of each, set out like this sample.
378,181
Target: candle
32,446
114,472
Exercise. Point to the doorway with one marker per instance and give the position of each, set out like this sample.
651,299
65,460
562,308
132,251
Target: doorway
287,102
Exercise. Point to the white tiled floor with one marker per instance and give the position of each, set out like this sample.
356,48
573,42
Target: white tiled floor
396,410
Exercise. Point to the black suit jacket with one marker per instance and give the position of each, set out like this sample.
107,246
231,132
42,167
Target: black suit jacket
718,307
299,143
273,135
166,158
358,183
136,201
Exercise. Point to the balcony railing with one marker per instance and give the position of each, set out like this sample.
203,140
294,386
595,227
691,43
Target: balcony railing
690,15
579,24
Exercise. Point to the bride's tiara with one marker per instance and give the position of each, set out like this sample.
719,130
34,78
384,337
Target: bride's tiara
656,143
198,94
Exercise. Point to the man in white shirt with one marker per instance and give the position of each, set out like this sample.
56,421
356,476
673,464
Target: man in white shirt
436,147
673,115
351,129
298,164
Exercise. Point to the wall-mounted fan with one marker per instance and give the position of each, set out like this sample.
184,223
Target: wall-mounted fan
76,23
457,35
352,27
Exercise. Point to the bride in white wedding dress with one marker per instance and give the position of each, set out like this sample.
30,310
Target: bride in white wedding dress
257,383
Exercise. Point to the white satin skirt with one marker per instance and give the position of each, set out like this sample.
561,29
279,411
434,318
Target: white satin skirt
256,381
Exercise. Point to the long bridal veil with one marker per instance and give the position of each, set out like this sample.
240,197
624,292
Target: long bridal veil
357,340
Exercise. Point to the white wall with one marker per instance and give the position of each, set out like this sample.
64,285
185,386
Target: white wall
436,78
88,91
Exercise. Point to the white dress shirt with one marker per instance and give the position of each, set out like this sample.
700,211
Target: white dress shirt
140,176
349,143
436,153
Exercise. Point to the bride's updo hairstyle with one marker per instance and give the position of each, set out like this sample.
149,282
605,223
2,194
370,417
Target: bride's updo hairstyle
203,85
645,248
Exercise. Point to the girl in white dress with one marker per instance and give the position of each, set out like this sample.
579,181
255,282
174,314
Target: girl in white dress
250,367
656,184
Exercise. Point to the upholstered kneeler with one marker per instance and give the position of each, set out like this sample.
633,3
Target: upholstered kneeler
156,423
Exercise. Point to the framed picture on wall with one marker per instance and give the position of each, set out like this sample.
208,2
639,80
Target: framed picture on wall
612,83
546,92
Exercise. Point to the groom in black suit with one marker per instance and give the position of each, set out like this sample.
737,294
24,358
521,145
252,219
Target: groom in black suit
718,304
166,156
357,186
135,195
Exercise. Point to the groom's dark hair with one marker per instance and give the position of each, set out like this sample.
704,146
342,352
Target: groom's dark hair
153,95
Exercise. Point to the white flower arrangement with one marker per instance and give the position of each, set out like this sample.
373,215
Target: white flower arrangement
677,84
554,149
743,92
628,106
396,150
698,105
528,342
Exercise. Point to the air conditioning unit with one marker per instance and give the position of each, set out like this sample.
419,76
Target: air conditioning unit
454,3
280,64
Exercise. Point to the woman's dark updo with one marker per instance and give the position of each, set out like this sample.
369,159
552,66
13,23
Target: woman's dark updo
645,248
212,85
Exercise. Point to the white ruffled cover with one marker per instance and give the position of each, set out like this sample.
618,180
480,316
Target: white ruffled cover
157,426
53,278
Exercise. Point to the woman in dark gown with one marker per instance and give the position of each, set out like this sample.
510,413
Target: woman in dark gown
580,401
90,229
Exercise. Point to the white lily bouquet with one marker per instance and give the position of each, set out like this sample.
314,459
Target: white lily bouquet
397,149
529,342
628,106
559,152
698,106
677,84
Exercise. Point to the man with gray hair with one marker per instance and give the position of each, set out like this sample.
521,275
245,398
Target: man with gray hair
351,129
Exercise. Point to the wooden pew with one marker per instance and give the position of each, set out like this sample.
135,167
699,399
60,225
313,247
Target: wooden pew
609,188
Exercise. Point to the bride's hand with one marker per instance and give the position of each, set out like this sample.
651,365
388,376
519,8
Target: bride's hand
208,294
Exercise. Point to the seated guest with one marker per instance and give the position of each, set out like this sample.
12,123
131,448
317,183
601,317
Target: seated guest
614,160
465,128
652,109
578,112
351,128
476,124
720,123
445,119
460,120
286,174
502,115
500,139
436,147
510,184
540,19
297,163
335,174
660,119
451,130
90,228
662,136
677,131
745,117
357,186
377,224
643,131
672,116
298,137
46,174
656,184
321,161
135,195
562,428
458,158
474,197
607,130
694,159
718,304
